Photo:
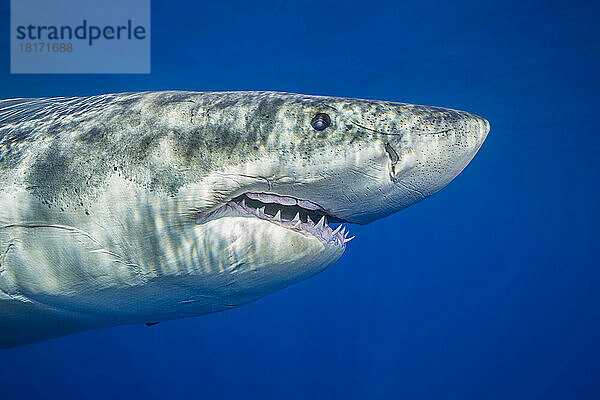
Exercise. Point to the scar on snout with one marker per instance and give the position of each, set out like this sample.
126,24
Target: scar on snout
393,157
4,253
392,153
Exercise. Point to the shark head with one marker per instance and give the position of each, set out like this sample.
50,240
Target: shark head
150,206
354,160
287,173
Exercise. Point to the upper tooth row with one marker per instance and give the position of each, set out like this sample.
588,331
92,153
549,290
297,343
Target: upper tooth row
283,200
261,212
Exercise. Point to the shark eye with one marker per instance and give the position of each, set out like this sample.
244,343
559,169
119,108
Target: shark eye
320,121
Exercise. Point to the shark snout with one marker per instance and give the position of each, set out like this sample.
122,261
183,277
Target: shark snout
466,138
481,130
441,150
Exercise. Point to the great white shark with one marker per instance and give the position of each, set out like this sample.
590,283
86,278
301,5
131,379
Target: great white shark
142,207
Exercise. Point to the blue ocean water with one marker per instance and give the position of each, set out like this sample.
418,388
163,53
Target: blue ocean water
487,290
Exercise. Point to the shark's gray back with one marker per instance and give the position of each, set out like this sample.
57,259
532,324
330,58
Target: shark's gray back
70,145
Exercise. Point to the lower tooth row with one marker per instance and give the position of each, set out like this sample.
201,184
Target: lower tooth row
341,230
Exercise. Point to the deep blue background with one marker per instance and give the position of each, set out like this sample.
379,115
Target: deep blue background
489,289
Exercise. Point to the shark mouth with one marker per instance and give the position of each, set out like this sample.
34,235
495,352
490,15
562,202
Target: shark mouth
302,216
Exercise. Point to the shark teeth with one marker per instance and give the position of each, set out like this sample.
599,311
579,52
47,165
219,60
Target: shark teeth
320,224
322,229
337,230
272,208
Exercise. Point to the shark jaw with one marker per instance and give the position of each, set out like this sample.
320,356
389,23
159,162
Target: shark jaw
302,216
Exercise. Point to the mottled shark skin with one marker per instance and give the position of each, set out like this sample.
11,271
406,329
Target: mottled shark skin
142,207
